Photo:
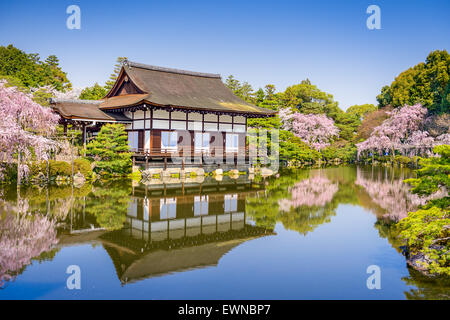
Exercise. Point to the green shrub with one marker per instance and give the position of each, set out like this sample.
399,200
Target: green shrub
84,167
342,150
427,230
8,171
402,160
60,168
423,229
294,149
37,167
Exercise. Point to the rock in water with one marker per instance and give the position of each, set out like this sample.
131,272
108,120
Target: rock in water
78,180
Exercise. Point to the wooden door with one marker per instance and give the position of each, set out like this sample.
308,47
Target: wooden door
141,140
155,145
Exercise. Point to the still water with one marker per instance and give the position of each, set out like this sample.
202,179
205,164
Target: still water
305,234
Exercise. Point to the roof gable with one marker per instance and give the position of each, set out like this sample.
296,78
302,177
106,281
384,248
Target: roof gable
123,86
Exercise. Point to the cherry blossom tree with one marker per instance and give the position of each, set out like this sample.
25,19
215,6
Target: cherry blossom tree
72,94
401,131
24,128
317,130
22,238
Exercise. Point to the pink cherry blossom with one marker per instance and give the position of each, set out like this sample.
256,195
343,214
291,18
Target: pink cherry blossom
392,195
24,126
401,132
317,130
315,191
23,236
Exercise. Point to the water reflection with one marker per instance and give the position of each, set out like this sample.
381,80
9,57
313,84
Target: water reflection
386,189
178,227
152,229
301,201
23,237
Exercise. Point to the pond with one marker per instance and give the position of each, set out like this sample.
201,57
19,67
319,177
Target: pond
302,234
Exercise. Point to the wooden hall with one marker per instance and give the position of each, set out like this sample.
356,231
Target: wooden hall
169,111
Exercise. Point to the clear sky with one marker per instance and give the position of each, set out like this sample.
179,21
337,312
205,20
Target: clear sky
279,42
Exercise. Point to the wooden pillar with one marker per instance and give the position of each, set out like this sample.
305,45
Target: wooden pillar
84,138
146,163
71,155
165,163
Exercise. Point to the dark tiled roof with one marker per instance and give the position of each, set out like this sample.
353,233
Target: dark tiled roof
180,88
85,109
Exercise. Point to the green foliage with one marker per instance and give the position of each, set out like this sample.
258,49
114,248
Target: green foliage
268,99
14,82
30,70
402,160
109,204
341,150
84,167
59,168
294,149
348,125
9,172
242,90
426,83
37,167
71,132
41,96
110,150
434,172
113,77
360,111
428,232
96,92
308,99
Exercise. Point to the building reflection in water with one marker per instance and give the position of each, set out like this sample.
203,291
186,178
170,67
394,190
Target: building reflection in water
175,229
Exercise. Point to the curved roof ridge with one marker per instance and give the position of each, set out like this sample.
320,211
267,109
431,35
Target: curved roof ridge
131,64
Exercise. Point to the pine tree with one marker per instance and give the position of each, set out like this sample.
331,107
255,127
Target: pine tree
113,77
110,150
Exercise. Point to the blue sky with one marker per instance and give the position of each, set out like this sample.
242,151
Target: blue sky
278,42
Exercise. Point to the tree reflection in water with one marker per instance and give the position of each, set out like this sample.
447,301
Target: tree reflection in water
301,201
390,193
109,204
23,236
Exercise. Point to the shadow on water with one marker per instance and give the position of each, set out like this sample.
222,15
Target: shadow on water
151,230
